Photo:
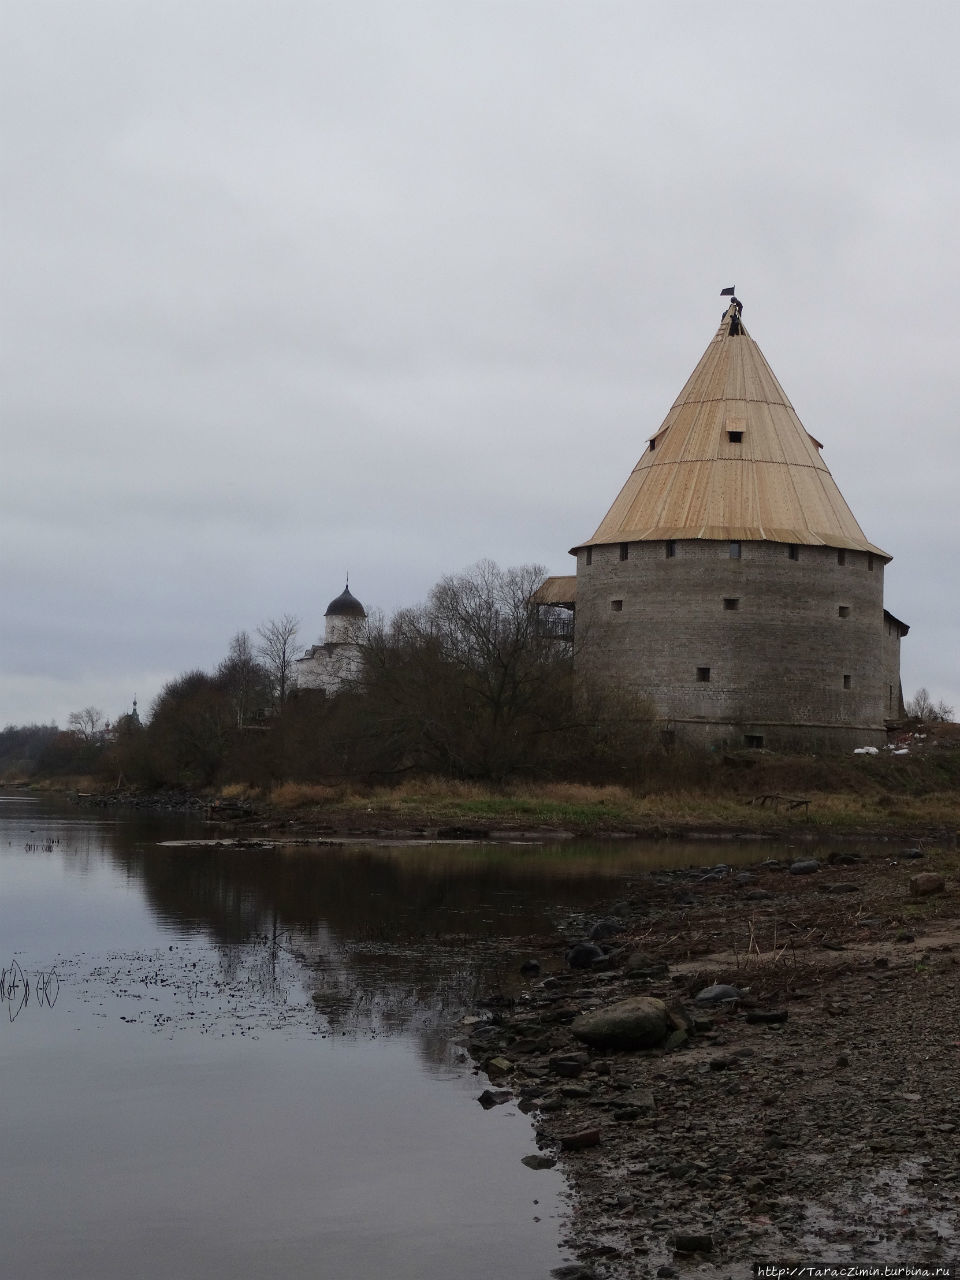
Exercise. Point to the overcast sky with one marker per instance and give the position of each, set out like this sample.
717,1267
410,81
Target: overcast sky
295,288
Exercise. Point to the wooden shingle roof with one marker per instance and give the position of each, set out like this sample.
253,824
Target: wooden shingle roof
698,480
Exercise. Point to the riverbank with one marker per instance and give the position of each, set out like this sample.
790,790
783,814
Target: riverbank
812,1118
912,790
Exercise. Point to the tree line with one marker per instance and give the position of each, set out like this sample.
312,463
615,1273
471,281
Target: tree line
467,684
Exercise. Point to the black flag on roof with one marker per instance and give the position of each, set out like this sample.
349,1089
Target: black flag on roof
728,293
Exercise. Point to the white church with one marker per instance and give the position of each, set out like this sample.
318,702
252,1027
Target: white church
337,658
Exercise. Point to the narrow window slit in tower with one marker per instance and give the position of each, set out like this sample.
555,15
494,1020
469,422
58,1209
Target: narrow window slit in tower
793,551
588,556
844,611
846,682
870,561
624,550
841,557
734,550
671,548
703,675
616,606
731,602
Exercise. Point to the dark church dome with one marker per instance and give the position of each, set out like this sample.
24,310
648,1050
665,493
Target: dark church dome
346,605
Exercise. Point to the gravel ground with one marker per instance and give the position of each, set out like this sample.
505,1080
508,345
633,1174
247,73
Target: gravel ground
829,1137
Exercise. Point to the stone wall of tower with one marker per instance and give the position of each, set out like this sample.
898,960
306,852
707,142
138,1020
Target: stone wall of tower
893,708
798,661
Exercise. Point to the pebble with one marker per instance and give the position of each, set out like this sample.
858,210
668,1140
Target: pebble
538,1162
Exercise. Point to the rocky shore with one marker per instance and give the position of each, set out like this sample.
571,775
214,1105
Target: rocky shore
777,1081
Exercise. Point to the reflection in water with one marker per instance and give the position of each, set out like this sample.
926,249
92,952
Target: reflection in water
247,1071
200,1102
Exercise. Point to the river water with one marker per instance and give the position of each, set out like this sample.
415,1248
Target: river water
242,1062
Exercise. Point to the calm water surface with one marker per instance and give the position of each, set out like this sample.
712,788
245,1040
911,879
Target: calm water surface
239,1063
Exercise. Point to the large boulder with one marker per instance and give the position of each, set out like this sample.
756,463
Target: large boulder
638,1023
926,882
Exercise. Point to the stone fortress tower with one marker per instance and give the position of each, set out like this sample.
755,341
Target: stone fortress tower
337,658
729,585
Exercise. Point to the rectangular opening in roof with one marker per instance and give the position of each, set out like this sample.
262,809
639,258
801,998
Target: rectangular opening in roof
735,437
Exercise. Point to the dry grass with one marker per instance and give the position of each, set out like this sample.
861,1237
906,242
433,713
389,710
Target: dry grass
239,791
585,806
305,795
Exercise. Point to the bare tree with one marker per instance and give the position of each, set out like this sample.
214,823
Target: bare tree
88,724
922,707
276,652
467,683
244,679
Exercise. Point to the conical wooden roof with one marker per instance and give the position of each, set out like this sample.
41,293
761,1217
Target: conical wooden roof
696,480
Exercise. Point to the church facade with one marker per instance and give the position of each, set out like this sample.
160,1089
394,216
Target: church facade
729,587
337,659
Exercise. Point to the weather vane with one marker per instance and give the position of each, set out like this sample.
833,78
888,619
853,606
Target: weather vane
730,292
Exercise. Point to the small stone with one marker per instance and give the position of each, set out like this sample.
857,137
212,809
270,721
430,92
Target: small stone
569,1065
692,1242
581,1140
575,1091
538,1162
843,1060
804,867
640,1099
583,954
498,1066
608,928
926,882
717,994
494,1098
666,1273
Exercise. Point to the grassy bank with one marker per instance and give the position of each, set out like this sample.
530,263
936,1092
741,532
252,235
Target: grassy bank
864,796
916,793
